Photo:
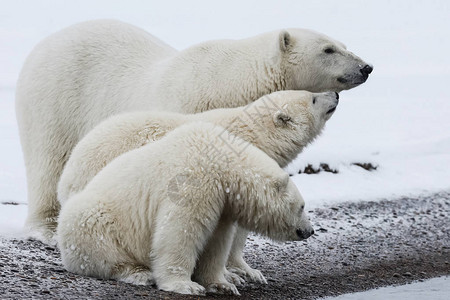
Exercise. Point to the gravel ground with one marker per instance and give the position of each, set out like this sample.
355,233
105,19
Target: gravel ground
357,246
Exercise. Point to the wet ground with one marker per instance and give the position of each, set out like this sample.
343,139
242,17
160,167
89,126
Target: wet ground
357,246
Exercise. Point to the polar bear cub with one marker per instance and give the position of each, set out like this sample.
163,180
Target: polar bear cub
280,124
152,211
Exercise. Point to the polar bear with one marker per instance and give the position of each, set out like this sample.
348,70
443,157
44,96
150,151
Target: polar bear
81,75
281,124
129,224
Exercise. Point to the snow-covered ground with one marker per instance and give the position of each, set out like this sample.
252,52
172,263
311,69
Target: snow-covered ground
435,289
398,120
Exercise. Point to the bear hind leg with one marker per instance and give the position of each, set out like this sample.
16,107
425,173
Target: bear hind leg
43,207
45,155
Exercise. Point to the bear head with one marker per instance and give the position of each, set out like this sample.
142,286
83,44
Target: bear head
317,63
287,121
294,224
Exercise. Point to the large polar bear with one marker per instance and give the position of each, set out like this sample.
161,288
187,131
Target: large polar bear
128,224
81,75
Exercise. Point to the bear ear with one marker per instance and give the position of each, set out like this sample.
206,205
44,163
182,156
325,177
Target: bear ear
281,118
281,183
284,39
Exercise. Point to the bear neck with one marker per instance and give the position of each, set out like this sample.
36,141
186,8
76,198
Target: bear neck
237,122
226,73
255,129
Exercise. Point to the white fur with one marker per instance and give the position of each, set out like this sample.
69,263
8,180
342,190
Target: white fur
129,224
81,75
281,124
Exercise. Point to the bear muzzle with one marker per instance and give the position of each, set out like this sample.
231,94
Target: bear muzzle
357,77
366,70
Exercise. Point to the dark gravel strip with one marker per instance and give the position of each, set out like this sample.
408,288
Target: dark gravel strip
358,246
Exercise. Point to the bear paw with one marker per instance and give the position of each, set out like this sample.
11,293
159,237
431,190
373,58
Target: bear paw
222,288
248,272
233,278
183,287
139,278
44,233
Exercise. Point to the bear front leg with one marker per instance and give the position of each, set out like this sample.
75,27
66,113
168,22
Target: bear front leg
211,269
236,263
180,237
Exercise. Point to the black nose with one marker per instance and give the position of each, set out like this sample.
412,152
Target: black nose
366,70
304,234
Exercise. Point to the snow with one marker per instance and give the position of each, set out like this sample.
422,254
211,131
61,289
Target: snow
11,220
407,138
436,289
398,120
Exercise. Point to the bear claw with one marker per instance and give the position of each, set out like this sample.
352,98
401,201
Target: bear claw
223,288
253,274
183,287
233,278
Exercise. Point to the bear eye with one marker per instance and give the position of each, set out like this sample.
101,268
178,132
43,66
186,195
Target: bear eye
329,50
314,100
